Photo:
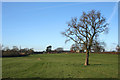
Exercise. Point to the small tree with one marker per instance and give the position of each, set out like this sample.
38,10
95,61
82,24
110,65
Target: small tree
98,46
48,49
85,29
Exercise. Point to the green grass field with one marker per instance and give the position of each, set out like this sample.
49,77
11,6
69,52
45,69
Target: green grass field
60,66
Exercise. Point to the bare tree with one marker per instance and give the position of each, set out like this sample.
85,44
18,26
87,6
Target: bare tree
85,29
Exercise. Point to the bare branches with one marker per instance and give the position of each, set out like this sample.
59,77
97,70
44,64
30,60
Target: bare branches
67,35
85,29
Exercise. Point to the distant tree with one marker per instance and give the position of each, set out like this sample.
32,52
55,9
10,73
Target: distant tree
30,51
118,48
6,49
27,51
76,47
15,48
16,52
98,46
85,29
59,49
48,49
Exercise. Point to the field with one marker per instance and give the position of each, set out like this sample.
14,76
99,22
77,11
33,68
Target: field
60,66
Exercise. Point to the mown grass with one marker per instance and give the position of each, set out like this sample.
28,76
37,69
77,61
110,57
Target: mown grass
60,66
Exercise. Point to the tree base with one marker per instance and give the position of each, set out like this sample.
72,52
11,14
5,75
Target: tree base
86,64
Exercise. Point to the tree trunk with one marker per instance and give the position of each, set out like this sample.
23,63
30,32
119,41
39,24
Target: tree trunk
87,58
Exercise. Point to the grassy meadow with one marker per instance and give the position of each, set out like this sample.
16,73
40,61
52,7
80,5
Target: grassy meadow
60,66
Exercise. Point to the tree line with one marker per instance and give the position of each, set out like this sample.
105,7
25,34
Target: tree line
15,51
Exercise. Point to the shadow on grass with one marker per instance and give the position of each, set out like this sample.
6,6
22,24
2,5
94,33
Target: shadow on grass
96,64
82,65
99,64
